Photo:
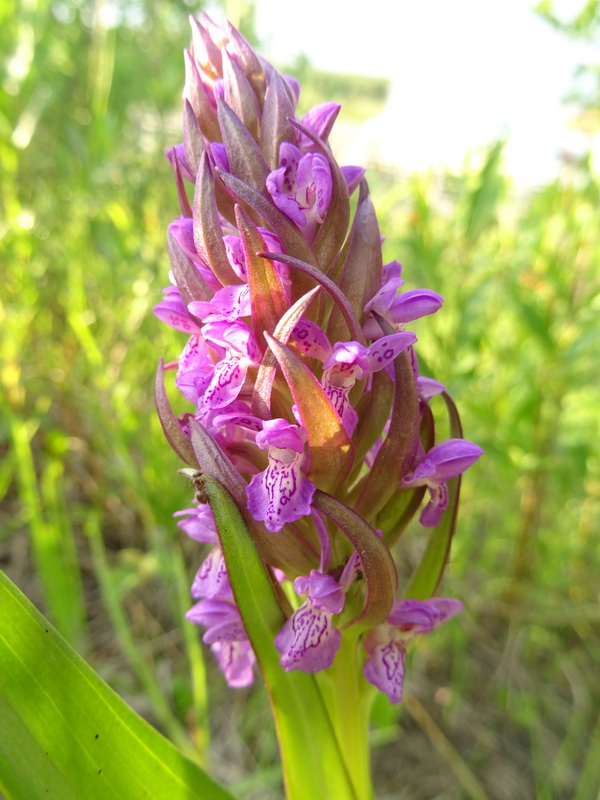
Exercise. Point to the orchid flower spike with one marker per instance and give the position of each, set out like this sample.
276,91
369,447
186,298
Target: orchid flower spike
298,376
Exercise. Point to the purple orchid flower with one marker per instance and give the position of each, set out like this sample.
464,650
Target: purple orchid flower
444,461
227,637
301,187
309,640
406,306
281,493
351,361
386,644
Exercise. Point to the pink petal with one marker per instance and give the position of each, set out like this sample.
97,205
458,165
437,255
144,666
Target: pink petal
385,669
308,640
280,494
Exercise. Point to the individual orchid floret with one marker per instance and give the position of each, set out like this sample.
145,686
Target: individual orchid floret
228,304
301,187
444,461
428,387
173,312
194,369
386,644
198,523
351,361
230,372
406,306
281,493
309,640
227,637
319,120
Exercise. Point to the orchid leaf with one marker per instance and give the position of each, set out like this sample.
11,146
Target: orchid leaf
330,451
275,126
330,287
428,574
66,734
267,297
261,396
361,274
372,417
198,98
398,512
313,763
376,560
249,61
193,144
396,454
240,97
189,281
170,424
244,155
208,235
184,202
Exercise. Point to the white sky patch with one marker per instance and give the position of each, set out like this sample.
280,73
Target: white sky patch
463,73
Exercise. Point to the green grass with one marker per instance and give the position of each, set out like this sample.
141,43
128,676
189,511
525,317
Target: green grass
88,486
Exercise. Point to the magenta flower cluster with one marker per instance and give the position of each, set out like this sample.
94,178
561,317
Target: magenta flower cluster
298,368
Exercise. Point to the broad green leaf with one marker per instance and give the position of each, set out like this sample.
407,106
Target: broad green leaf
428,574
330,450
66,734
313,764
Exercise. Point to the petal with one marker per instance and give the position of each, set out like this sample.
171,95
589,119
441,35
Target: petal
383,299
172,311
353,176
226,382
453,457
415,304
384,350
280,494
432,513
320,120
308,641
199,524
281,434
325,592
428,387
211,579
418,616
236,660
310,339
385,669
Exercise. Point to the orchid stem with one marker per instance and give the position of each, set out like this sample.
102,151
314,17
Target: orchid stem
348,699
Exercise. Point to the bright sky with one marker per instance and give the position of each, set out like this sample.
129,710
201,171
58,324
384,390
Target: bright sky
463,73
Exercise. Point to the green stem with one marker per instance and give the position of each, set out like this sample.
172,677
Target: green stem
348,698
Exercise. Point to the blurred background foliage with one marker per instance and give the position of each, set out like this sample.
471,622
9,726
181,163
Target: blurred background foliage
503,704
